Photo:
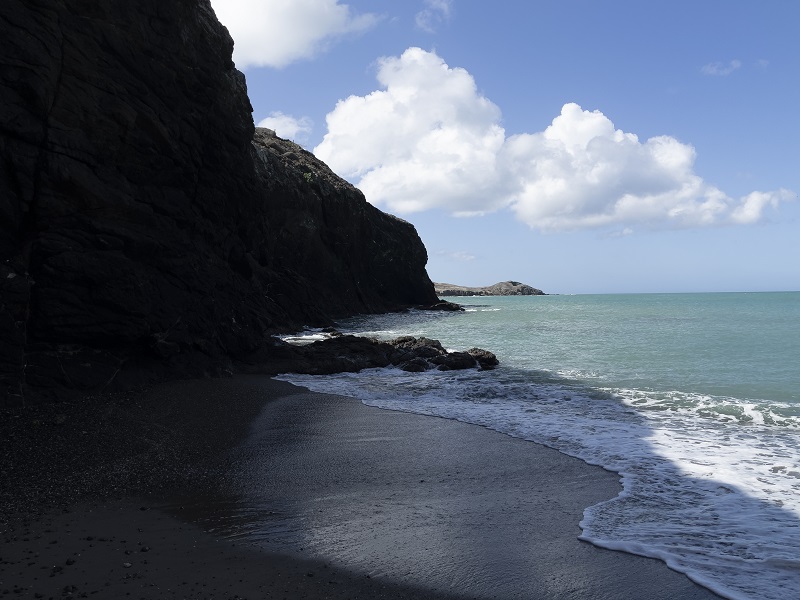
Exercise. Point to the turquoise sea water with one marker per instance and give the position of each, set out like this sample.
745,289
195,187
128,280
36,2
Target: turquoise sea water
693,398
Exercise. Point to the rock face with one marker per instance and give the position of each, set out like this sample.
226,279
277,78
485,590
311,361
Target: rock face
504,288
146,228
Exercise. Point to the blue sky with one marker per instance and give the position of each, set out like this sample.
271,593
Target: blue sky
579,146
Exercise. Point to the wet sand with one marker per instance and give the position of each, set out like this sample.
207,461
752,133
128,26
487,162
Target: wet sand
266,490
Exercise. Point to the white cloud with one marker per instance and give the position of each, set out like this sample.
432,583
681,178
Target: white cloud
721,69
434,14
274,33
753,205
428,139
287,126
581,172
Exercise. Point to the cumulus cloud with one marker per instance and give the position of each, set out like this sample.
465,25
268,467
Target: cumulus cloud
581,172
752,206
276,33
721,69
433,15
428,139
287,126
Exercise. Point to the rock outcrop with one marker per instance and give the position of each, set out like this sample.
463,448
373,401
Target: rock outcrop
350,354
504,288
147,230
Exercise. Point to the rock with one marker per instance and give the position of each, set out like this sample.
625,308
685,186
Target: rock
350,353
165,349
443,306
15,295
504,288
407,346
485,359
147,229
415,365
343,354
454,360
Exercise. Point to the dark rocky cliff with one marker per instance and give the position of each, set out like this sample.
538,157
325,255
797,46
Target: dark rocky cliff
146,228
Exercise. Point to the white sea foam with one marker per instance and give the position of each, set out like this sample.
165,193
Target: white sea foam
307,336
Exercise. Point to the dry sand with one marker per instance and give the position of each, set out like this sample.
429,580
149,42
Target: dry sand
252,488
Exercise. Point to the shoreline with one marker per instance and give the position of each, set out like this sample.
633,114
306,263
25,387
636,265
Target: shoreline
472,487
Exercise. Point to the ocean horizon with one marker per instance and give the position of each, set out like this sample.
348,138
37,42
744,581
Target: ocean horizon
693,398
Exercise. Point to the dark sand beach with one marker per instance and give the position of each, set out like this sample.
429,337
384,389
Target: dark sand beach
253,488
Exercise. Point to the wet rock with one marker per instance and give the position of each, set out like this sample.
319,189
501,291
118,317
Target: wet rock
415,365
353,353
454,361
408,346
443,305
487,360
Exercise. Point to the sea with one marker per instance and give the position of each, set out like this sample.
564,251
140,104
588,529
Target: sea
693,399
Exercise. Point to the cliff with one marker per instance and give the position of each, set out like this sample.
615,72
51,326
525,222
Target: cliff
504,288
147,229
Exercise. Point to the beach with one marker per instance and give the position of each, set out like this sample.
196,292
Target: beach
248,487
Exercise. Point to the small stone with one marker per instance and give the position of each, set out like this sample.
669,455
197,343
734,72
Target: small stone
127,565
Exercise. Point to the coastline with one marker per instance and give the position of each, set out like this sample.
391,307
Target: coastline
206,438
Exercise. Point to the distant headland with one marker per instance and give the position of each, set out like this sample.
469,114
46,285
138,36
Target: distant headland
504,288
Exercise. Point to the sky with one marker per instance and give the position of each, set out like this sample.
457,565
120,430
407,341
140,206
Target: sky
578,146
